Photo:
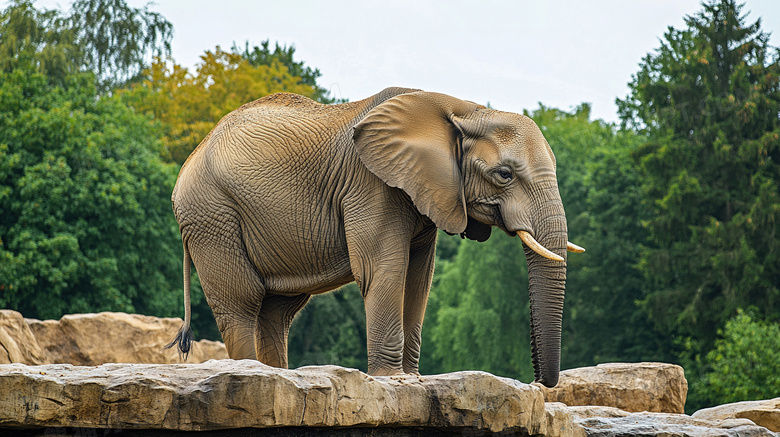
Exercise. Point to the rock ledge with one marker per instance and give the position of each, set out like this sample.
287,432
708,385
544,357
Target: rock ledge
222,394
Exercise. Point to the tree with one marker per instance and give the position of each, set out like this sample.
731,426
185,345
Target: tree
600,188
86,223
708,100
189,105
478,314
39,39
117,42
106,37
744,365
284,55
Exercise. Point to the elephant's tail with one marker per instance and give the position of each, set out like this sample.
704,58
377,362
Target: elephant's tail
184,337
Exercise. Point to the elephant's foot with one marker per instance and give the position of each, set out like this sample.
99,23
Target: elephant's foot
385,372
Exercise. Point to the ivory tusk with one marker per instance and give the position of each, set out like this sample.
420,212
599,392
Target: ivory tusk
571,247
536,247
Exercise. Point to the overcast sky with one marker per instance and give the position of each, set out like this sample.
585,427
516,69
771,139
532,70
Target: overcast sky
513,54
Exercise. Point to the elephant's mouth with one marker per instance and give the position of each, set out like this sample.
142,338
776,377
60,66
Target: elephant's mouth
488,212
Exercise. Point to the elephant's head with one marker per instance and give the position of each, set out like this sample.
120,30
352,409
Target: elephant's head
469,168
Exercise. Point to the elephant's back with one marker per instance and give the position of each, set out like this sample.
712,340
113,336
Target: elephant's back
284,100
280,117
278,134
283,105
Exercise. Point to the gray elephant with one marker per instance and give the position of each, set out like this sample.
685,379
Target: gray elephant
286,198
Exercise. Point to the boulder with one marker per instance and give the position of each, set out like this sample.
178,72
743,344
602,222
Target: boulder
612,422
764,413
560,421
633,387
237,394
93,339
17,343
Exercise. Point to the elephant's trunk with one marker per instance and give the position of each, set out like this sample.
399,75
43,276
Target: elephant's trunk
546,286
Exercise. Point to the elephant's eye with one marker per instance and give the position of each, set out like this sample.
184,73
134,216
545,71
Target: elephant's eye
505,174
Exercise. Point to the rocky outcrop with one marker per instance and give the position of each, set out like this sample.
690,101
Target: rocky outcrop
94,339
237,394
633,387
17,343
612,422
764,413
225,396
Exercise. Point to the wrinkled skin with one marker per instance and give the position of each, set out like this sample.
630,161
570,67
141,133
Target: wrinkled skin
287,198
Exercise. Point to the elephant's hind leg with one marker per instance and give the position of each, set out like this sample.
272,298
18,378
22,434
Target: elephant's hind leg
273,325
231,285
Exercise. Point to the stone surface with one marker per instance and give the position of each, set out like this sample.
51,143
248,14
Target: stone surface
17,343
634,387
612,422
236,394
242,398
560,421
93,339
764,413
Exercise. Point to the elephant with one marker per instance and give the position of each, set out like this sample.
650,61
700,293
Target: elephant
287,198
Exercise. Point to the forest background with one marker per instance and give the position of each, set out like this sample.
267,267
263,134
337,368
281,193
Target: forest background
677,204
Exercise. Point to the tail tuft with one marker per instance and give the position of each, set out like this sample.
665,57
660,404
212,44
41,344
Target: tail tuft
184,340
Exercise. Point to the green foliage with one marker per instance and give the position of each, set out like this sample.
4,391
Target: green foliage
189,105
36,38
600,189
708,100
331,329
446,247
86,223
117,42
744,365
478,311
284,55
106,37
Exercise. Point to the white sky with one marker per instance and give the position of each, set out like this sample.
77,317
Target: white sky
513,54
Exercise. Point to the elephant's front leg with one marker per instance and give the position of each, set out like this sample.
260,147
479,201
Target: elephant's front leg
380,268
379,230
384,322
418,284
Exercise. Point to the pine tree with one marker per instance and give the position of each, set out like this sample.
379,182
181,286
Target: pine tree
708,100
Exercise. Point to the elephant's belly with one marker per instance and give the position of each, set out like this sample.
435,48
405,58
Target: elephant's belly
291,266
308,282
296,249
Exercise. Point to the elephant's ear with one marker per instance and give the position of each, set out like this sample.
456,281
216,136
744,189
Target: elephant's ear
411,142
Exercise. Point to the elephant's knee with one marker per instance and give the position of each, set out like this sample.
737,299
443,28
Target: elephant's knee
385,353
